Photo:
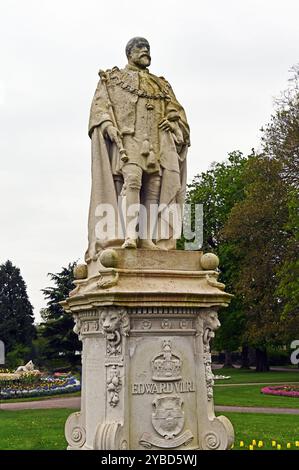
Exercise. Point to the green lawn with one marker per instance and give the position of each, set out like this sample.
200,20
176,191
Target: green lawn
33,429
281,428
250,395
247,376
44,429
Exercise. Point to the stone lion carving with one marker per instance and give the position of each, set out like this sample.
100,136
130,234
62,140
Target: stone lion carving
115,324
114,320
211,323
29,367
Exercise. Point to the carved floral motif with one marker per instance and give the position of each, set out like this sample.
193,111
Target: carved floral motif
210,325
114,385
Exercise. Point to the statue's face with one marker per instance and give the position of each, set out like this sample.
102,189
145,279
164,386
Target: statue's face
140,55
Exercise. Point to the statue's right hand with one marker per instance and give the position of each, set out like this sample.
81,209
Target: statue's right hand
113,134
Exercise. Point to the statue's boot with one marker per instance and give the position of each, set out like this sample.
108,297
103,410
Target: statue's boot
148,245
131,205
129,243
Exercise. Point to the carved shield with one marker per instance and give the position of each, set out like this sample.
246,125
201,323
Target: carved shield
168,416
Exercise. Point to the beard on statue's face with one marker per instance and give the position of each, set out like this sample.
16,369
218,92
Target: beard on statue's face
144,59
140,56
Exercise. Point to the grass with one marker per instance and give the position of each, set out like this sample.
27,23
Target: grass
44,429
251,395
33,429
281,428
239,376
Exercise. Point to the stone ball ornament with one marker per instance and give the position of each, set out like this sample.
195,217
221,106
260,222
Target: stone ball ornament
209,261
80,271
109,258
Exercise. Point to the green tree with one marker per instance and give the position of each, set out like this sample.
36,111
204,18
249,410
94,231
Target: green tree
256,225
281,143
288,275
281,135
16,313
219,189
57,327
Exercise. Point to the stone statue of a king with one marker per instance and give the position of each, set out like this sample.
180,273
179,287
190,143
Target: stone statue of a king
140,138
145,312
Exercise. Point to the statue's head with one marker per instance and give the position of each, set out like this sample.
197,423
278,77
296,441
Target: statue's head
138,52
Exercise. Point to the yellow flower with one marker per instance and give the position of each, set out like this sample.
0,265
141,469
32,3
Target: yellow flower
297,444
251,447
273,443
260,444
278,447
288,445
241,443
253,442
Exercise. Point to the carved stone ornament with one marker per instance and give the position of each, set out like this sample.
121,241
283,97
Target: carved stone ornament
165,324
113,385
77,326
168,421
114,323
113,319
146,324
166,366
208,371
74,431
107,282
211,441
109,436
210,325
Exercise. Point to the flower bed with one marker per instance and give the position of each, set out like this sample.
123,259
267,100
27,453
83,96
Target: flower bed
45,386
282,390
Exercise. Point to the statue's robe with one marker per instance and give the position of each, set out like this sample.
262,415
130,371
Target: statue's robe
121,99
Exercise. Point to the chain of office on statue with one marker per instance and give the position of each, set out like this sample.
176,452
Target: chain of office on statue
135,91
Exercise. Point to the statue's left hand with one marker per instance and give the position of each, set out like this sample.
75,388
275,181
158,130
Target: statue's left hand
166,125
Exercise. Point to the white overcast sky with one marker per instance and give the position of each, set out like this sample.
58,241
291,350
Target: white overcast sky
226,61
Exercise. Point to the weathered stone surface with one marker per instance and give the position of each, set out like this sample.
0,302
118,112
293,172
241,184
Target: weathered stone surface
151,283
209,261
147,381
140,138
147,378
145,315
109,258
80,271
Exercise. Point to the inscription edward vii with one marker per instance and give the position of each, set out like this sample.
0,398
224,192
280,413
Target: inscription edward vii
166,372
163,387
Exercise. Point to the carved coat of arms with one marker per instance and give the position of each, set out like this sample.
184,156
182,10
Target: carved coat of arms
168,416
168,420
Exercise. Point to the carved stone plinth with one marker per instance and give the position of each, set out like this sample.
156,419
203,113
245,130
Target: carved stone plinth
146,322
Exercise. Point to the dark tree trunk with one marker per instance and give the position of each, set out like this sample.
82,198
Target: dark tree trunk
245,357
262,364
228,362
251,356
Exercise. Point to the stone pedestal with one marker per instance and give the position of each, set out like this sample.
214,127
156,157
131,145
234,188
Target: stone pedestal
146,319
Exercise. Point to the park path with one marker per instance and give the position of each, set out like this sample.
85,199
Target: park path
74,402
252,383
70,402
255,409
